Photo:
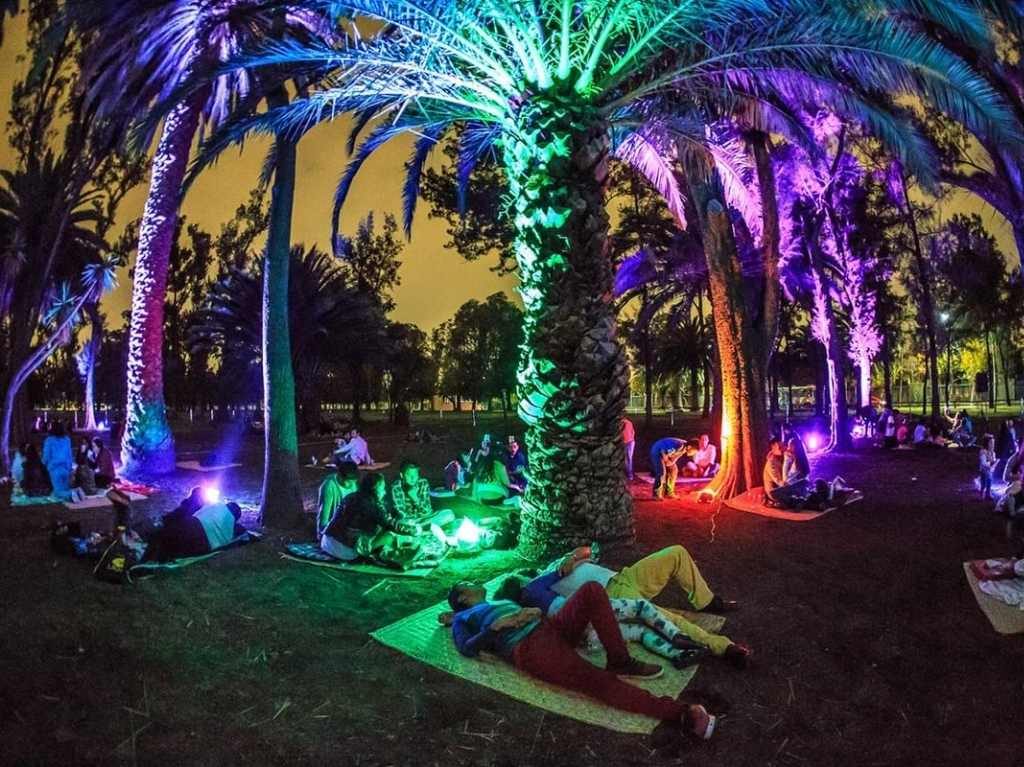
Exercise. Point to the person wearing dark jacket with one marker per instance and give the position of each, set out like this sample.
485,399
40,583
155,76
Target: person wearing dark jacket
36,479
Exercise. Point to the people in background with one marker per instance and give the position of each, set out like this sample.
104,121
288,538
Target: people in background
962,430
773,477
479,455
106,474
902,430
355,450
361,519
18,464
1006,443
35,481
629,444
889,428
85,453
84,479
920,433
665,455
547,650
515,465
490,482
704,462
58,459
987,461
333,490
1012,471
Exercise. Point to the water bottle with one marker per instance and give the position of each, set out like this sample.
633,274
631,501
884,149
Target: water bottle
595,551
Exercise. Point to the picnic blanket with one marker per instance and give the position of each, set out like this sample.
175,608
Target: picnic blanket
421,637
143,568
33,500
1004,618
752,502
127,486
100,501
312,554
196,466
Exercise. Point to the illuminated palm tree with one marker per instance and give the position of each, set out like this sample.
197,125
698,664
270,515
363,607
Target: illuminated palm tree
549,83
143,50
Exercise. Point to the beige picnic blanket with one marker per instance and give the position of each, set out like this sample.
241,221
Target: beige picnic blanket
421,637
1006,619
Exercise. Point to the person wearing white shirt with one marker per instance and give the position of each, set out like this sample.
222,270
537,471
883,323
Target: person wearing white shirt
355,450
704,462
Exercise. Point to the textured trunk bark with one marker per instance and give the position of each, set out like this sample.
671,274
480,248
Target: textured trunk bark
827,333
741,337
573,377
89,375
147,447
282,490
864,380
990,371
887,371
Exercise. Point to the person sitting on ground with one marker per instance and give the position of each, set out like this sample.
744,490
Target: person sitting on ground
920,433
58,459
796,473
515,465
355,450
35,481
490,482
106,474
18,464
987,461
773,478
889,428
84,453
411,512
546,650
704,462
963,429
902,431
84,478
639,620
333,490
665,455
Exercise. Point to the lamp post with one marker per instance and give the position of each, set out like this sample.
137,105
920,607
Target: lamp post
944,317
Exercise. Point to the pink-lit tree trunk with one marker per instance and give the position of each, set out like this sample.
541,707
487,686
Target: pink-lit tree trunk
147,447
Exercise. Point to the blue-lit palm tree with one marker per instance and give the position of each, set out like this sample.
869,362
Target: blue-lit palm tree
142,51
548,84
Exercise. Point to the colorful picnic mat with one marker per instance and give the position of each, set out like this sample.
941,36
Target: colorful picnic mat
311,554
1005,618
420,636
100,501
752,502
34,500
144,568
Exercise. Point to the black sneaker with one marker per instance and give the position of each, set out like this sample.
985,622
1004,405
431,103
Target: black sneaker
717,605
636,669
688,658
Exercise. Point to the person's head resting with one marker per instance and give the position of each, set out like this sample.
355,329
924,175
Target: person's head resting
464,595
704,441
510,589
194,501
348,476
774,447
409,473
235,509
373,486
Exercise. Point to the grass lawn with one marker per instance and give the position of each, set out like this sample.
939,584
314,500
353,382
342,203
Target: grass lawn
869,648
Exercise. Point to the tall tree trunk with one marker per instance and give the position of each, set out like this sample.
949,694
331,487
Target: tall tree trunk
573,377
147,447
1004,364
742,335
864,380
990,371
886,371
90,357
282,489
694,388
827,332
927,305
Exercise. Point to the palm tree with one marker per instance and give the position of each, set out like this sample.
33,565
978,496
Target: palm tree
142,52
63,313
546,83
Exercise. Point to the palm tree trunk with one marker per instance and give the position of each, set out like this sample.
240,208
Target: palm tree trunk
147,447
573,377
886,371
990,370
282,489
89,374
927,305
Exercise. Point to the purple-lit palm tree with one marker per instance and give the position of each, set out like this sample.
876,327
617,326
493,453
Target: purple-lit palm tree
548,83
143,52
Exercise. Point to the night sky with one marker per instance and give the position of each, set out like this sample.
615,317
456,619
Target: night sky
435,282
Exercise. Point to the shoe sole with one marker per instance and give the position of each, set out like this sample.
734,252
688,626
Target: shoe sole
642,676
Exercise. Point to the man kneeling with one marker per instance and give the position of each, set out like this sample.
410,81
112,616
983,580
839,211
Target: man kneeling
546,649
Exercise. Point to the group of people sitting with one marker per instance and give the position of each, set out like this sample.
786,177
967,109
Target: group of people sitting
701,461
1010,502
351,447
59,472
488,473
537,623
891,428
787,478
365,519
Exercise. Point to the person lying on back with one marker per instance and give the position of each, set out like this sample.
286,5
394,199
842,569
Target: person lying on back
546,650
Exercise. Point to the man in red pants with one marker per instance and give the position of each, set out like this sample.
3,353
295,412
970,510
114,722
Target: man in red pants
546,649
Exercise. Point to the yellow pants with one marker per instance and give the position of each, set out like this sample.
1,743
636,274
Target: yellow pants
649,577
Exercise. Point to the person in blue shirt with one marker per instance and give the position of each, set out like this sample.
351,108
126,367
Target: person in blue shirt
545,648
665,455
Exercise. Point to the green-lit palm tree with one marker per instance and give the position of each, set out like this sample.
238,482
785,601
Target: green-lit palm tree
548,83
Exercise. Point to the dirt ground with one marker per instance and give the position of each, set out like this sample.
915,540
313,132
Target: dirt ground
869,648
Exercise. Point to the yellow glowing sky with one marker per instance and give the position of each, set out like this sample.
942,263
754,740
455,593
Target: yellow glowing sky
435,281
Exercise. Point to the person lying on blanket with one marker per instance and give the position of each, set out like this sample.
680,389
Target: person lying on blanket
193,529
342,483
639,620
364,528
545,648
